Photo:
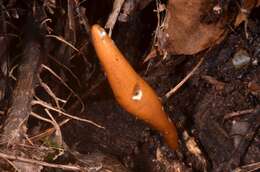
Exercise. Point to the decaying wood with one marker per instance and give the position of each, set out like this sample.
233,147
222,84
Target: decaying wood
20,109
15,126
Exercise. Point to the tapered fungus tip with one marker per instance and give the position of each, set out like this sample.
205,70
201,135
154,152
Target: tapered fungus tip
97,30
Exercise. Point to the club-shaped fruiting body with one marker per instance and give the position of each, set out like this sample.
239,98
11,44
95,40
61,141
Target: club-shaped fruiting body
130,90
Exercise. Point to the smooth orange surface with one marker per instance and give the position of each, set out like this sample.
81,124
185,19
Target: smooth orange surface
130,90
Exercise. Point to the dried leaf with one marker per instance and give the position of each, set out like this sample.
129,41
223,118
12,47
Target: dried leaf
186,31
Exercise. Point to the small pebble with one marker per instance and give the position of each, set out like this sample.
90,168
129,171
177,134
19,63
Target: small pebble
241,59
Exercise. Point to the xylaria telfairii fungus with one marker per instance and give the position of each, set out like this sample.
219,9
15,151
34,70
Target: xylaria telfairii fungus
130,90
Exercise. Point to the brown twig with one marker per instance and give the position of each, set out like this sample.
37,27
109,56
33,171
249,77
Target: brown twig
49,92
53,122
242,112
56,126
114,14
47,132
65,67
65,84
11,163
173,90
11,72
48,106
248,168
61,39
36,162
41,118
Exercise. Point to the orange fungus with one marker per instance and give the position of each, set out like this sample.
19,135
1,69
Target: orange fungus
130,90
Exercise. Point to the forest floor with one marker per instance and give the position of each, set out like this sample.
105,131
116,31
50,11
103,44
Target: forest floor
57,106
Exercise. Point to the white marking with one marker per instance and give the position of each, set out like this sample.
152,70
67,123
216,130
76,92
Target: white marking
137,95
102,33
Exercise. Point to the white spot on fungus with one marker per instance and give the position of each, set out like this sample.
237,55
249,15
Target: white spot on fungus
102,33
138,94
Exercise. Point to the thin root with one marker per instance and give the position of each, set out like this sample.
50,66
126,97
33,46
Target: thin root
64,83
173,90
48,106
